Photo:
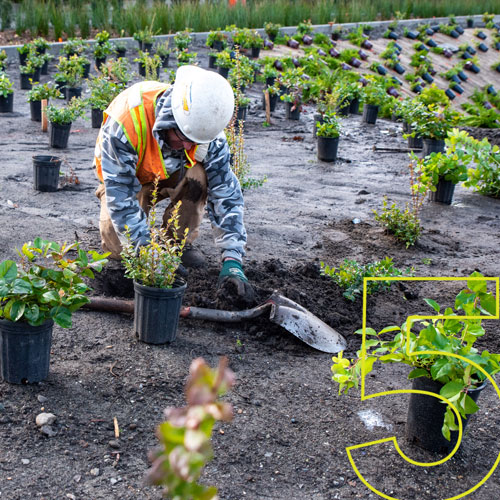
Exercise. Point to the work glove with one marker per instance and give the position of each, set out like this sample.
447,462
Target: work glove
233,286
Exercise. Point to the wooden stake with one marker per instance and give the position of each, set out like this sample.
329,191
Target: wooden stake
268,107
117,429
44,115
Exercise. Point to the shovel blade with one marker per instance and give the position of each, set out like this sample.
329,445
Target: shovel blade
305,326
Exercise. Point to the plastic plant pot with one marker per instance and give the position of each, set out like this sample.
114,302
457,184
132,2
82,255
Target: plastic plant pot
363,55
96,116
224,72
491,90
412,35
307,39
292,114
165,59
321,52
24,351
430,31
458,89
459,30
156,312
392,92
328,148
36,111
74,92
431,43
345,66
26,84
121,52
482,47
355,63
455,79
433,146
470,23
99,61
381,70
293,44
399,69
454,34
86,70
393,35
211,61
7,104
417,88
218,45
415,143
450,94
462,76
44,70
22,58
466,55
147,46
444,192
242,113
471,50
354,107
370,113
366,44
255,52
59,135
344,108
426,416
481,35
46,173
334,52
469,65
427,77
447,53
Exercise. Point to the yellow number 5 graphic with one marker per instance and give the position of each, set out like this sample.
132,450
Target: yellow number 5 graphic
409,352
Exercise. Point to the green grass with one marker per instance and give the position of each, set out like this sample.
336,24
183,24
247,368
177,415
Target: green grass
211,15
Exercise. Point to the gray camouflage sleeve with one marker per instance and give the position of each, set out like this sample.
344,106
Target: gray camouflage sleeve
119,161
225,201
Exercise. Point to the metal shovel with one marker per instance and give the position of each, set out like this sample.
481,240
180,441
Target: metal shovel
284,312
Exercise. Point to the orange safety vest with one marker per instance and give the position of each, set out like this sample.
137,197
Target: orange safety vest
134,111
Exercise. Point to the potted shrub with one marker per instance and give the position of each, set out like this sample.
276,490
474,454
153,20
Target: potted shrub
6,94
60,119
3,60
34,295
182,39
442,172
241,102
102,37
158,288
30,72
102,92
74,46
438,357
224,62
101,52
163,52
186,57
120,48
256,43
373,96
74,70
37,94
292,80
274,94
328,132
145,38
149,65
216,40
272,30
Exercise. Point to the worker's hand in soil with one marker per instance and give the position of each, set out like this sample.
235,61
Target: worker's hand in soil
233,285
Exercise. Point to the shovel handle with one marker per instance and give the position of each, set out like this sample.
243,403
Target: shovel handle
127,306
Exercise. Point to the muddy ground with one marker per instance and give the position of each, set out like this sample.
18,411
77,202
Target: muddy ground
290,428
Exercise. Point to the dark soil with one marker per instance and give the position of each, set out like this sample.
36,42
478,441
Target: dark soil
290,428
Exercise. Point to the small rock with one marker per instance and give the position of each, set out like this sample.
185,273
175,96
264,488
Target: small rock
45,419
70,496
41,399
114,480
77,478
363,191
94,472
25,461
2,407
114,444
132,427
48,430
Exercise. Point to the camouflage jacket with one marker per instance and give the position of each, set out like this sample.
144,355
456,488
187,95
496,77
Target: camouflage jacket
224,201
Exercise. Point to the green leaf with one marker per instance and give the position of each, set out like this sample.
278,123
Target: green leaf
418,372
21,286
8,270
469,406
441,368
488,303
388,329
433,304
451,390
17,310
38,282
51,296
32,313
62,316
477,286
171,434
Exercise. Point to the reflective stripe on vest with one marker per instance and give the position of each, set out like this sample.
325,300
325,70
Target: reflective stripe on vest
134,111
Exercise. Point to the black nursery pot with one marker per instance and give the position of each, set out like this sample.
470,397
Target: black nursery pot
7,103
121,52
412,35
218,45
242,113
59,135
74,92
25,80
370,113
459,30
454,34
255,52
354,106
344,109
99,61
426,416
462,76
147,46
399,69
481,35
24,351
366,44
211,61
427,77
415,143
491,90
86,70
292,115
444,192
433,146
46,173
431,43
22,58
450,94
381,70
470,23
224,72
165,59
458,89
482,47
156,312
273,100
96,116
36,111
44,70
328,148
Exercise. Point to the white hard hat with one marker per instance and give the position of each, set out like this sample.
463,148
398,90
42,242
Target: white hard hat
202,103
